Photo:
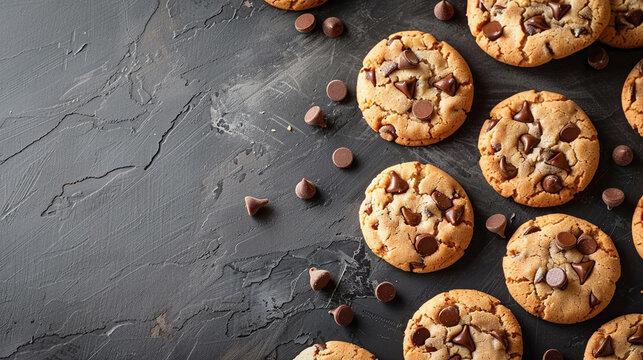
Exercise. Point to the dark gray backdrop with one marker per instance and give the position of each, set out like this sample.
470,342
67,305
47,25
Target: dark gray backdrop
130,131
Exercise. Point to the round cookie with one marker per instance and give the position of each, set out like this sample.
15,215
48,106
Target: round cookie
416,217
620,338
413,89
637,227
295,5
532,32
632,97
561,286
468,323
335,350
624,29
539,148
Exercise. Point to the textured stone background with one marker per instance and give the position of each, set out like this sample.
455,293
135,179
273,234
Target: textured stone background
130,131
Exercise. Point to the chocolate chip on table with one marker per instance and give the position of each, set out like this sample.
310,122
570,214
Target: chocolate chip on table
318,278
586,244
342,157
492,30
448,84
449,316
528,142
598,58
396,185
253,204
613,197
622,155
583,270
407,60
565,240
604,347
370,76
637,336
635,17
441,201
419,336
559,161
559,10
333,27
552,354
407,87
464,339
305,23
497,223
552,184
387,132
524,114
443,10
593,300
422,109
305,189
410,218
425,244
388,67
343,315
556,278
336,90
507,170
454,214
385,291
569,133
315,116
501,336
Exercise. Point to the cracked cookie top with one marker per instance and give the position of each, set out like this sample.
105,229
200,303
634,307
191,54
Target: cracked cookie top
413,89
632,97
625,29
416,217
532,32
295,5
561,268
462,324
335,350
620,338
637,227
539,148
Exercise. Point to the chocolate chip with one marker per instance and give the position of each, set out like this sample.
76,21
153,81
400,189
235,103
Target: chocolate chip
385,291
422,109
559,161
464,339
320,347
333,27
407,87
492,30
633,92
318,278
496,224
552,354
419,336
342,157
488,125
593,300
425,244
496,147
559,10
501,336
569,132
531,229
613,197
622,155
454,214
315,116
253,204
556,278
387,132
481,6
537,22
635,17
442,201
565,240
370,76
579,32
637,336
604,347
443,10
456,357
449,316
539,276
407,60
598,58
396,184
524,114
305,189
552,184
448,84
507,170
416,265
336,90
305,23
528,142
388,67
393,38
368,209
410,217
586,244
343,315
583,270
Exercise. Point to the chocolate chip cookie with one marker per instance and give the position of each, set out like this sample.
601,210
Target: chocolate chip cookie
295,5
416,217
620,338
335,350
539,148
413,89
532,32
637,227
624,29
463,324
561,268
632,98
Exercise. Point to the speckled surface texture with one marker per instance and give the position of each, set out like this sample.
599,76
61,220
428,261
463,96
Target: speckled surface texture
130,132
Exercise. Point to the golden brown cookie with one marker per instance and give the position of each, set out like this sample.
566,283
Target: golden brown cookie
532,32
335,350
561,268
637,227
295,5
539,148
465,323
416,217
413,89
620,339
625,29
632,97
